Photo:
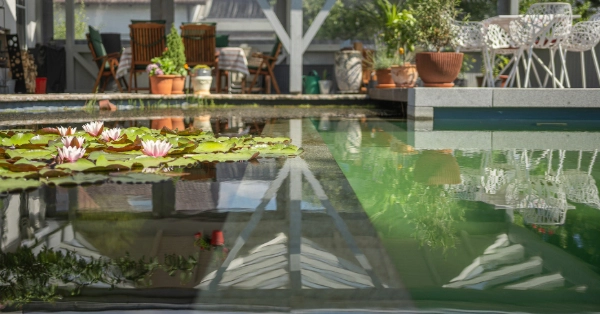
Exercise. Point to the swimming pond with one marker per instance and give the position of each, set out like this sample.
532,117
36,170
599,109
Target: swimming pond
372,216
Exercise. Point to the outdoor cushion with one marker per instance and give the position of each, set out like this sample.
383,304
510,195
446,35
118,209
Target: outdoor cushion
96,40
222,41
149,21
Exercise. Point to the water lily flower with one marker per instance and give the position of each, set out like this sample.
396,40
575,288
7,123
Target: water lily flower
69,141
111,134
70,154
156,148
94,128
66,131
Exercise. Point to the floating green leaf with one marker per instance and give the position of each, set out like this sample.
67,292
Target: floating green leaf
136,177
77,179
43,139
79,165
182,162
22,174
148,162
211,147
272,140
30,162
102,161
32,154
241,156
13,185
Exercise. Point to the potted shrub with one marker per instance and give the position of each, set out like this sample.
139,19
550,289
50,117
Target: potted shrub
325,84
435,31
161,82
175,51
382,64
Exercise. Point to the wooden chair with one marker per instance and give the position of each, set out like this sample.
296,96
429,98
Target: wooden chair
147,41
266,69
199,41
107,63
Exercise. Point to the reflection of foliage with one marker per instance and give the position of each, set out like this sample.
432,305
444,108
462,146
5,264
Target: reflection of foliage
49,275
125,228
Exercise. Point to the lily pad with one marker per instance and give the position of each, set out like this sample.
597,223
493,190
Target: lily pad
212,147
13,185
43,139
47,172
242,156
19,139
136,177
79,165
182,162
272,140
30,162
22,174
147,161
109,156
33,154
77,179
102,161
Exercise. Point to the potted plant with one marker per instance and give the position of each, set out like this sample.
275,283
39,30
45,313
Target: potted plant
435,31
161,81
175,51
202,79
467,66
324,83
382,64
500,64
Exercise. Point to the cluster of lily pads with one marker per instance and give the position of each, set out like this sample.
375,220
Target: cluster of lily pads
66,156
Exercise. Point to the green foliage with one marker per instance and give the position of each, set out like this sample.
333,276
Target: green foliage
345,20
583,8
380,58
479,10
176,52
60,26
435,22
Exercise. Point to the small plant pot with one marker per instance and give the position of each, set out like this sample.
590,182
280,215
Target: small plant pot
161,84
501,81
178,124
325,86
405,75
202,85
439,69
178,85
217,238
384,78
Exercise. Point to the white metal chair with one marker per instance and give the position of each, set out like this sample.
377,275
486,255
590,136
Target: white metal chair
468,36
545,26
584,37
499,42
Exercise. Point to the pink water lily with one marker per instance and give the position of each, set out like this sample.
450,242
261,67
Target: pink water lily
156,148
69,141
94,128
70,154
111,134
66,131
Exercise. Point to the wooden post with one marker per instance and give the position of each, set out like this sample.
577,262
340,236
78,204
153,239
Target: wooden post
70,43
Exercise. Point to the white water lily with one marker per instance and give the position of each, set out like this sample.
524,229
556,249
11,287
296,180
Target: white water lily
70,154
66,131
156,148
69,141
94,128
111,134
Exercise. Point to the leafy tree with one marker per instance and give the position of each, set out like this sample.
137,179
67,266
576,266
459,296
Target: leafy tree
60,24
345,20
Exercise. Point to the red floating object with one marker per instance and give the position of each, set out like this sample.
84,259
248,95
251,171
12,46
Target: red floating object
217,238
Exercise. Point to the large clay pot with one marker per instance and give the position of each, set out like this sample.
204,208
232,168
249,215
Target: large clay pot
384,78
439,69
178,85
348,70
405,75
161,84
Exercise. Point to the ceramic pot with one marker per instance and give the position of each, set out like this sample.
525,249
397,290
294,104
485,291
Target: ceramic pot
161,84
348,70
217,238
384,78
325,86
202,85
177,123
405,75
178,85
158,124
439,69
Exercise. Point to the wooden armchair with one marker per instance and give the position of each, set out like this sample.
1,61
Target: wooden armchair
265,68
107,63
200,43
147,41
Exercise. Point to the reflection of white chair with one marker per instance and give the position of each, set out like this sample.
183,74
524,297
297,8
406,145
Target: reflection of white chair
584,37
545,26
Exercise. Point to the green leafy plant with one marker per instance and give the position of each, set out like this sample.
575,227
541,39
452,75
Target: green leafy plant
176,52
435,22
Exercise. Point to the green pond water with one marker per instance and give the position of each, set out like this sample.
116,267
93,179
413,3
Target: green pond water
374,216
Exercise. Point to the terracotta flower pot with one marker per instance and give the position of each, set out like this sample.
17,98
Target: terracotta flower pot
384,78
158,124
405,75
161,84
177,123
439,69
178,85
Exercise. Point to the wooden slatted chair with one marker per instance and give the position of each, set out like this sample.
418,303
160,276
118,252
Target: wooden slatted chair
199,41
107,63
266,69
147,41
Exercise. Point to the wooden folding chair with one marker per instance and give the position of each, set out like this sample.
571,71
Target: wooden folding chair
147,41
107,63
265,68
199,41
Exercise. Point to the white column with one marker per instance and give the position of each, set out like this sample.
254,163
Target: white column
296,47
70,43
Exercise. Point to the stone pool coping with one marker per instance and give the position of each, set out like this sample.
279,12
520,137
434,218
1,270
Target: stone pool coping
128,96
423,101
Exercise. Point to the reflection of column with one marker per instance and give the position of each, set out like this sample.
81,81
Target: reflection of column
295,214
10,235
163,198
